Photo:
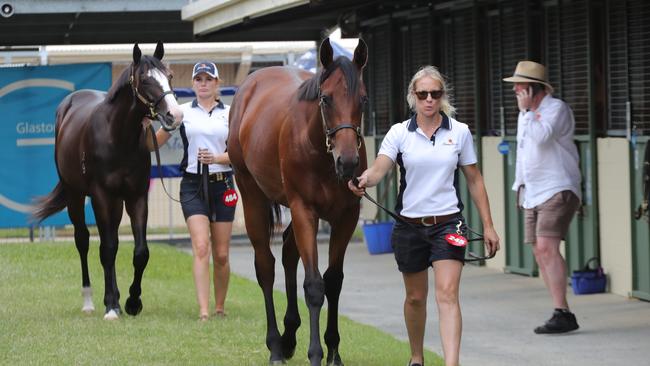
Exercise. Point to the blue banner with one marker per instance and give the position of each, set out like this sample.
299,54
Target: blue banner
29,97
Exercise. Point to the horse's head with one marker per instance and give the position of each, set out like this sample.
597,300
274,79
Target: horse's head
342,99
150,80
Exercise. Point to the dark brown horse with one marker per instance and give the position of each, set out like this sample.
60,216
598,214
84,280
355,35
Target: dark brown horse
295,140
100,152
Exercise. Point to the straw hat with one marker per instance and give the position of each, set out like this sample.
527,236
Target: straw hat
530,72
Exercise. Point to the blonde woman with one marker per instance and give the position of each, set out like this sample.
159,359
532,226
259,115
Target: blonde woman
429,148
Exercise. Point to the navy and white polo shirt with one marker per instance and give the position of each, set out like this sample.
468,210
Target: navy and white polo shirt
428,175
204,129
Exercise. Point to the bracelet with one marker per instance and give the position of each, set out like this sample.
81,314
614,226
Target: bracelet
167,129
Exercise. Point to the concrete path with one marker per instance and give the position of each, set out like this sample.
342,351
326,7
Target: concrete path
499,313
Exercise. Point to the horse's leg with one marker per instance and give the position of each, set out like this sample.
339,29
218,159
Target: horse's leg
258,226
137,210
292,316
305,225
339,239
108,213
81,235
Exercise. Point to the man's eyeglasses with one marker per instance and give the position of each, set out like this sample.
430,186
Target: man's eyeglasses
435,94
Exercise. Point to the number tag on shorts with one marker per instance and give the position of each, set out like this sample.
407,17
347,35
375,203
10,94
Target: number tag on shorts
456,240
230,197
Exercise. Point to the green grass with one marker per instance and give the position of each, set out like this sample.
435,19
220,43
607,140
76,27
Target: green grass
68,231
41,322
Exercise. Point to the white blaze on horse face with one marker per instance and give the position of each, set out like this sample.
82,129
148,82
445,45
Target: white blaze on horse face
172,104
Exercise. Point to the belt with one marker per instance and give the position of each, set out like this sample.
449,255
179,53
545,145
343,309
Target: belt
213,177
218,176
429,220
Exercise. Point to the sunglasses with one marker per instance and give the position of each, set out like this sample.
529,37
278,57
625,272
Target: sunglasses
435,94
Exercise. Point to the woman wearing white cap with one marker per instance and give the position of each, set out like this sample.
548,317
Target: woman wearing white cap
204,131
547,179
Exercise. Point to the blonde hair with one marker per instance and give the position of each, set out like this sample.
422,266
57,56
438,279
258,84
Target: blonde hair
433,73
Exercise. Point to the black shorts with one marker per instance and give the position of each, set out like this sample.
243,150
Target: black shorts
414,254
218,211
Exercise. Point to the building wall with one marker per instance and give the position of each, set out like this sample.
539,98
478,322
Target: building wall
595,65
615,219
492,168
614,216
182,73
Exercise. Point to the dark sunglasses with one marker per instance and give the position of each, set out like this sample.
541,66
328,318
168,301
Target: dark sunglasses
435,94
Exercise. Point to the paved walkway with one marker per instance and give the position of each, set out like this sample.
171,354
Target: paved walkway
499,313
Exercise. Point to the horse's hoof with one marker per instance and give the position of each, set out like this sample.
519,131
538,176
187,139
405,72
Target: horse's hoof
112,315
88,309
276,362
133,306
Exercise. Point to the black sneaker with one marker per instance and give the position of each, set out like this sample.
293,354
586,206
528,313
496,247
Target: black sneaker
562,321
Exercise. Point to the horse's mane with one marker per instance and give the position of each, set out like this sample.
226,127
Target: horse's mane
146,63
310,88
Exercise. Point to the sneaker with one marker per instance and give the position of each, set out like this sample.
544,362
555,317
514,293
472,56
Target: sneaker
562,321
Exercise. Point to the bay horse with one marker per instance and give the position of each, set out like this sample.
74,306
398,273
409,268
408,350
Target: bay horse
100,152
295,140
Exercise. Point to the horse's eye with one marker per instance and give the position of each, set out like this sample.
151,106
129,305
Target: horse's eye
325,99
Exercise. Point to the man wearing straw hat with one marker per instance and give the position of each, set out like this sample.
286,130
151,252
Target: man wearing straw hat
547,181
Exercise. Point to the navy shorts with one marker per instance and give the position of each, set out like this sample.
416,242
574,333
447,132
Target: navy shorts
218,211
414,254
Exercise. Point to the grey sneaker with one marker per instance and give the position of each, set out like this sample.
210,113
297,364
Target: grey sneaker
562,321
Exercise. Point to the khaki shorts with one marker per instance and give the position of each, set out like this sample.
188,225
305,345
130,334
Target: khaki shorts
551,218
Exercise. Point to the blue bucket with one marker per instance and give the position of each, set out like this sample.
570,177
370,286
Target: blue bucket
589,280
378,237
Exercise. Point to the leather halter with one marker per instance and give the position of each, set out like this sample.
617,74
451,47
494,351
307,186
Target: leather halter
152,114
330,132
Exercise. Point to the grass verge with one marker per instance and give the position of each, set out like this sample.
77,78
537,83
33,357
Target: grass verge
42,323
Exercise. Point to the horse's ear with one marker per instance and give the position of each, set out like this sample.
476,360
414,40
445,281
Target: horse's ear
137,54
360,54
326,53
160,51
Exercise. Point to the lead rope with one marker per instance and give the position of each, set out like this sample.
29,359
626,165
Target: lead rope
160,174
472,256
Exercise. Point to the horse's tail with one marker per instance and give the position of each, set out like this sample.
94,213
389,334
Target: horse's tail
47,206
275,217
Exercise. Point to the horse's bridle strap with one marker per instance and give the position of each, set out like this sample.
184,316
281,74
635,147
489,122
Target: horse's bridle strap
331,131
151,105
